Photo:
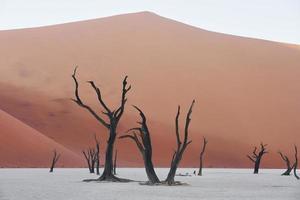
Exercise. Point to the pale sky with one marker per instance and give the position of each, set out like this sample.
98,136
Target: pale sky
277,20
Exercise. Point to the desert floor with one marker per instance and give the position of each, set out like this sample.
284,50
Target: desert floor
67,184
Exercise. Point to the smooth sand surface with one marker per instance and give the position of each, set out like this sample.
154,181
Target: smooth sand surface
24,146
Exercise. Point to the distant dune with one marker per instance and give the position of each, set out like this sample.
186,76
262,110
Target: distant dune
246,90
23,146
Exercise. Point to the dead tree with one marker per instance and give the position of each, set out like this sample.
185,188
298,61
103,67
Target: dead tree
54,160
201,156
97,156
115,163
143,142
88,160
91,159
296,163
256,158
181,146
288,164
113,115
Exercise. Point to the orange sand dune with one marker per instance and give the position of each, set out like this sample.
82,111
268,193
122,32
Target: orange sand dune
23,146
246,90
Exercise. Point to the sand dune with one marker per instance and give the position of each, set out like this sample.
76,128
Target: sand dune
246,90
22,146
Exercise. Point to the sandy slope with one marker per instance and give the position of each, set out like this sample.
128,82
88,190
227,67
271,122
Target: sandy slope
23,146
246,90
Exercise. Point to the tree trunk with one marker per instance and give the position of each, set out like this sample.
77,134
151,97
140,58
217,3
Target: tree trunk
256,166
174,165
181,146
296,163
108,167
287,172
97,166
151,174
200,168
289,168
54,160
256,158
115,163
114,116
201,156
145,147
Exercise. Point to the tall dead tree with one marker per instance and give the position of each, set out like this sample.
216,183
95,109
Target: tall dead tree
287,161
54,160
143,142
113,115
97,156
296,163
256,158
115,163
201,156
91,159
181,146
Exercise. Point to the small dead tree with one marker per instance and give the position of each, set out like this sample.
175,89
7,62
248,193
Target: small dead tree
114,116
143,142
91,159
54,160
256,158
296,163
181,146
201,156
97,156
288,164
115,163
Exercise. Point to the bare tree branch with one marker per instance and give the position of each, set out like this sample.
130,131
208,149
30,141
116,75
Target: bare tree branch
80,102
100,99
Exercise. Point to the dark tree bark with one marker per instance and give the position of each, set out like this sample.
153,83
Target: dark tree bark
97,156
88,160
91,159
143,142
256,158
296,163
181,146
289,168
115,163
54,160
201,156
113,116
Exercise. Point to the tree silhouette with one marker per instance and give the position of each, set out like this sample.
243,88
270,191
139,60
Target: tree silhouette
113,115
296,163
256,158
97,156
201,156
143,142
287,161
54,160
181,146
91,158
